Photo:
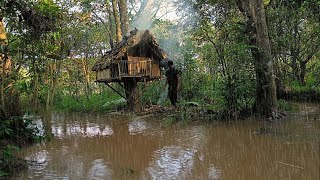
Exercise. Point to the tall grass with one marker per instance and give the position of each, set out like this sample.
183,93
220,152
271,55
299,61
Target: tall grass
96,102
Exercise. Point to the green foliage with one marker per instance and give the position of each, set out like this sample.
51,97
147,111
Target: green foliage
2,173
190,91
182,115
14,133
150,93
170,120
312,79
294,34
284,105
6,129
8,162
312,86
217,60
266,2
8,152
26,16
95,102
18,130
48,7
238,94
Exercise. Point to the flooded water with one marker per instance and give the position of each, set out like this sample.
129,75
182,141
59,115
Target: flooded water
106,146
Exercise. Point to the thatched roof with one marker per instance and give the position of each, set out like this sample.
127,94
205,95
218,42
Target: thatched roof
138,42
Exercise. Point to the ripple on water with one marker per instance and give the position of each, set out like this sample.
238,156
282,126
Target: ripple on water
38,161
137,126
172,162
99,170
214,173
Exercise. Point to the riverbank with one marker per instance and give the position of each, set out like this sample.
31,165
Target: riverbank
14,135
299,93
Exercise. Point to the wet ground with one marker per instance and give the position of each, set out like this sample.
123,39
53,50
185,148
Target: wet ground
106,146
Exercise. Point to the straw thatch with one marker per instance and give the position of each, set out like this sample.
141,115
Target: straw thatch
138,44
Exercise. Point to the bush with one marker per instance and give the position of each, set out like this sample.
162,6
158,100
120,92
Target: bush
284,105
153,93
94,103
14,133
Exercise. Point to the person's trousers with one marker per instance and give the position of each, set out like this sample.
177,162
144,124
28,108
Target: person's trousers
172,94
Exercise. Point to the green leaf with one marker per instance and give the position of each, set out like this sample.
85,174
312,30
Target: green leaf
8,131
2,173
266,2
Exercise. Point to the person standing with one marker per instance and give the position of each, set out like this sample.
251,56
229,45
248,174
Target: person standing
173,81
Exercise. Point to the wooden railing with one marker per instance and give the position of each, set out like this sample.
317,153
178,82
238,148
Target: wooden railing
135,68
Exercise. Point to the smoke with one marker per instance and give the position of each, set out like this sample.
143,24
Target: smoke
146,12
168,20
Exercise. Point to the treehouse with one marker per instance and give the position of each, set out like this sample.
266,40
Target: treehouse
137,56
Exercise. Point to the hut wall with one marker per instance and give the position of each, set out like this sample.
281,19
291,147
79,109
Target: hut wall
139,66
133,66
155,72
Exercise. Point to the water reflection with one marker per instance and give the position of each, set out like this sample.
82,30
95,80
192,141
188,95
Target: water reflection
76,129
180,161
137,126
172,162
141,126
39,160
108,146
214,173
99,170
36,124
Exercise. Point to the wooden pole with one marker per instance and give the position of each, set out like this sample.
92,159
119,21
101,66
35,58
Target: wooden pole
116,91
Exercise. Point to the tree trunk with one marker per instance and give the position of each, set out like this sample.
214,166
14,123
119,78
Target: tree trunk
303,70
132,94
47,123
34,84
130,84
10,99
124,17
3,41
85,70
2,82
50,77
294,48
110,25
55,82
258,33
54,70
117,20
295,68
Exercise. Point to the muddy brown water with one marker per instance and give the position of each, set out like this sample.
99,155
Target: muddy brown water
109,146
